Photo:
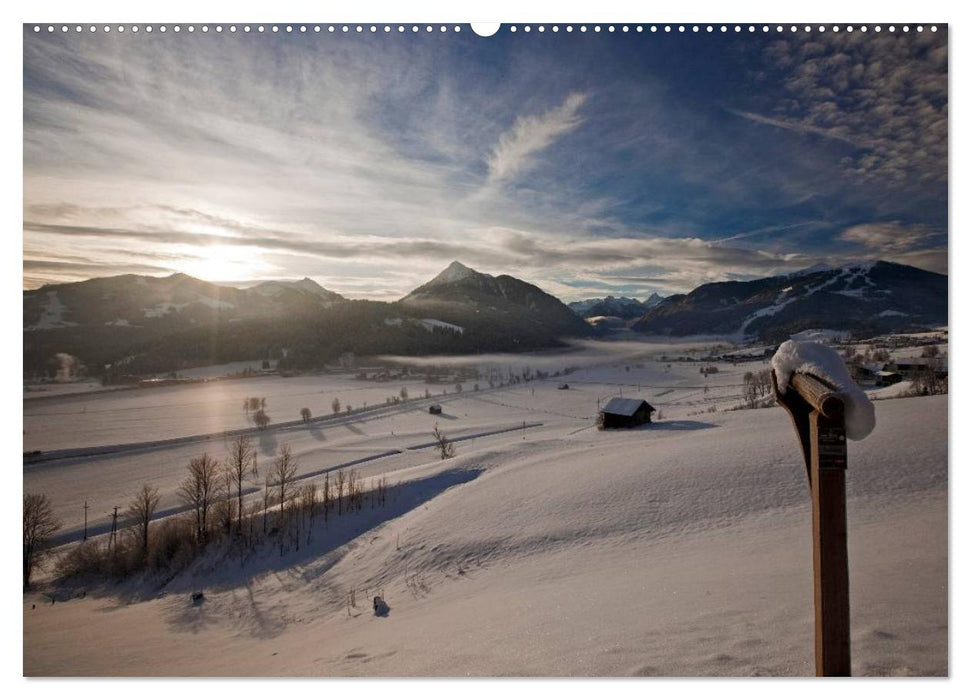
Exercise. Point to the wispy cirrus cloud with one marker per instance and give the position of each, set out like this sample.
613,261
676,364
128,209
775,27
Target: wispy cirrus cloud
531,134
803,128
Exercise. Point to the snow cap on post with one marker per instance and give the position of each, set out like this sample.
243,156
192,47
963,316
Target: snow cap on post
824,363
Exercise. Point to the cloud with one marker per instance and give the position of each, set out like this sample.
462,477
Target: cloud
884,94
909,244
550,260
801,128
531,134
890,236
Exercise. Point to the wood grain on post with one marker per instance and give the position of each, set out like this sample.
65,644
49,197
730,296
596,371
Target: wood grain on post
818,395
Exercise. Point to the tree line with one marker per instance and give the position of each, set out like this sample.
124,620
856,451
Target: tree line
214,510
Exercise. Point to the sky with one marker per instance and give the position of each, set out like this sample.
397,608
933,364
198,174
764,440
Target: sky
586,163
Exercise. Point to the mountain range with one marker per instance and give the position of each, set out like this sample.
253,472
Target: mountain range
617,307
864,297
133,325
131,300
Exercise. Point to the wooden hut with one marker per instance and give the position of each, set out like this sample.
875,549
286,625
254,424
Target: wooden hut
625,413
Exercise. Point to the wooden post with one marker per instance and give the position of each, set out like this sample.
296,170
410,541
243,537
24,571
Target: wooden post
817,415
830,564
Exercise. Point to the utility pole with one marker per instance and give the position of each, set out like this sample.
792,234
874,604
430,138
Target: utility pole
85,537
113,537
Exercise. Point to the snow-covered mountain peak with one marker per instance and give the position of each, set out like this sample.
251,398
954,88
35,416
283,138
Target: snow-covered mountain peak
455,272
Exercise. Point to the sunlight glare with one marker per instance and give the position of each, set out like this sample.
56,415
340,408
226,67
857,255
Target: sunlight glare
220,263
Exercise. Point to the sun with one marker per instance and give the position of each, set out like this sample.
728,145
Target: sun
220,263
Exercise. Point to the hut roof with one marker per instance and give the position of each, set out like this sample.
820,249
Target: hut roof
625,407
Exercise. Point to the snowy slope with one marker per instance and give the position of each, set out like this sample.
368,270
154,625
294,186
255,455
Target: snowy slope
679,549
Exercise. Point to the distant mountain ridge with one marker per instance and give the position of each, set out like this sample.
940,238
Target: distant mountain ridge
307,286
135,300
136,325
619,307
866,297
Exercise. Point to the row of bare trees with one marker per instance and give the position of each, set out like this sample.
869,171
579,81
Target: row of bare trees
213,495
215,510
757,385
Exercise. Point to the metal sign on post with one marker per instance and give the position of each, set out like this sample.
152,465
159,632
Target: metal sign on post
817,415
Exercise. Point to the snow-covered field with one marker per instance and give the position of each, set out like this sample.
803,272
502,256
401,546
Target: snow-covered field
141,415
677,549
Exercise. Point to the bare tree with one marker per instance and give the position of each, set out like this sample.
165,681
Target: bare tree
266,503
308,504
305,415
284,471
339,487
926,382
764,382
39,525
880,355
199,491
325,497
336,405
446,448
261,419
254,403
403,393
140,512
240,454
757,385
225,506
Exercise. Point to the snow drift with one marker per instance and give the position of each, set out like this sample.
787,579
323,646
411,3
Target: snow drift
824,363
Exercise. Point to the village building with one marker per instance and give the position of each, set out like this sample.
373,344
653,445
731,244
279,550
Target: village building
908,366
886,378
866,372
625,413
